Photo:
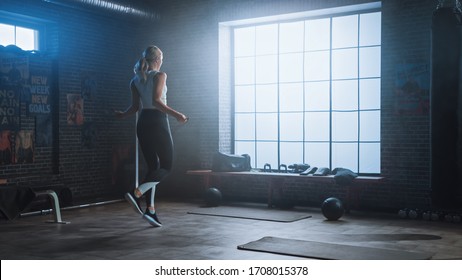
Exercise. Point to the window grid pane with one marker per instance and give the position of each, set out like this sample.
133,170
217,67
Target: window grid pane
7,35
316,92
24,38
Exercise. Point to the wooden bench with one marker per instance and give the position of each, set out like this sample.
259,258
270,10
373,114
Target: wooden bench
276,182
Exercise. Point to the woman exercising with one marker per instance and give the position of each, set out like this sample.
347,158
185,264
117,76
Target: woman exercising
149,94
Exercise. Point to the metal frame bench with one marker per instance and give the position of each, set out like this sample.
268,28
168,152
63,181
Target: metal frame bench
55,204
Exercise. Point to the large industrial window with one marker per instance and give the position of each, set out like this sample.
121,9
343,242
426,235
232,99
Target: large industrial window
24,38
308,91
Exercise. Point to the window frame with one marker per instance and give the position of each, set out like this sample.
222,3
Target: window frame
358,80
18,20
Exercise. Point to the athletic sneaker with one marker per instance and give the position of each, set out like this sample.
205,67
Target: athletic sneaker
152,219
134,202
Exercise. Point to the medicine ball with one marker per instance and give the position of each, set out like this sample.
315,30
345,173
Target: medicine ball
332,208
213,197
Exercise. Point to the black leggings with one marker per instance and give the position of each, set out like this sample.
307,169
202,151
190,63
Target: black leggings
155,140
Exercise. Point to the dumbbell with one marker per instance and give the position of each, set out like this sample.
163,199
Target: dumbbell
456,218
403,213
437,216
415,214
427,215
452,218
448,218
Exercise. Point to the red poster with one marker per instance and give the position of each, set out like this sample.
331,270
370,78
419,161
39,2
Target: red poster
74,109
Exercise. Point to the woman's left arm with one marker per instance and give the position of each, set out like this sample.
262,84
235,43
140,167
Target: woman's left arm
159,83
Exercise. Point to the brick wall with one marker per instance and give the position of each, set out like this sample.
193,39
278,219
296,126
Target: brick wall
188,33
105,46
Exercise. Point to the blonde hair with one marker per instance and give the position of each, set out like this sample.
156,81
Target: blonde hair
150,54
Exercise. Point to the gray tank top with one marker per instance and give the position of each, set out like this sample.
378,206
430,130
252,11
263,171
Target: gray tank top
146,89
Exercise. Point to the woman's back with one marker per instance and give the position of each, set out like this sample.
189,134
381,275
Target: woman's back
146,87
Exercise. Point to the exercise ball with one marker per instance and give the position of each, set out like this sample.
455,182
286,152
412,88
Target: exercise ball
332,208
213,197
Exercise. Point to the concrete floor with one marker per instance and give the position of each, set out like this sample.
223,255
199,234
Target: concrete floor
114,231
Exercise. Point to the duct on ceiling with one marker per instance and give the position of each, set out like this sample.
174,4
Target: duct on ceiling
115,6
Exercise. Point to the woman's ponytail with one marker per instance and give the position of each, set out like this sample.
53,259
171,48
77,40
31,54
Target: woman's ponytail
149,56
141,67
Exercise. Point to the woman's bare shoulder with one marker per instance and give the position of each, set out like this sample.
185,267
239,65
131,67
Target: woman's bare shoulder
161,75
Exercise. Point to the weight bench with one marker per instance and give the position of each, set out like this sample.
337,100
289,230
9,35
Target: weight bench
55,204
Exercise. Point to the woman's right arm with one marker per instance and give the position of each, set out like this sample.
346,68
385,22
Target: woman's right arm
134,107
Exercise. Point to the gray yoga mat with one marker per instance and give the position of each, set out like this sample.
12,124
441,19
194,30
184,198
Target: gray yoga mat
253,213
328,251
366,237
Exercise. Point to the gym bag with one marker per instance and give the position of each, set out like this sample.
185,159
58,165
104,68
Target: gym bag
228,163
